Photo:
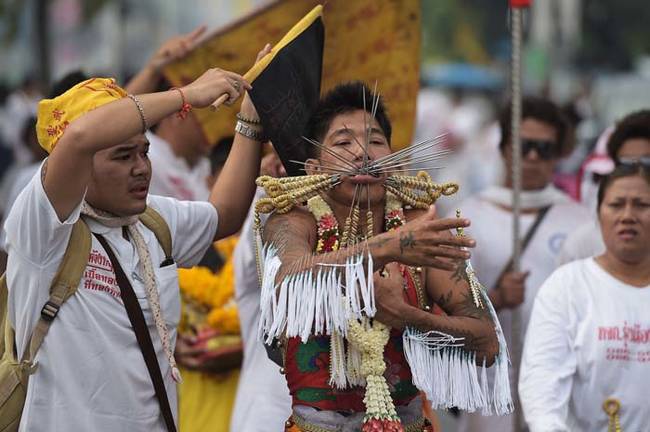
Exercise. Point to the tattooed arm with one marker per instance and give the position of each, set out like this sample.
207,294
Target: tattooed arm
421,242
450,290
294,235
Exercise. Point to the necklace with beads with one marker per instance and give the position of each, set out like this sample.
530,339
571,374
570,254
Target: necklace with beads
366,339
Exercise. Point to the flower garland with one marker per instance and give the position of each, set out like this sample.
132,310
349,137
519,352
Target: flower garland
210,295
369,339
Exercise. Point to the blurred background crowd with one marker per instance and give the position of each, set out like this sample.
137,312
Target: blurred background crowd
590,57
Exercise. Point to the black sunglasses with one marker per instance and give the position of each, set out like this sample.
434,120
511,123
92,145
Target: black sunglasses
629,161
545,149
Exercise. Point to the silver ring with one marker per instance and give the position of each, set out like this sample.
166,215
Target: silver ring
235,84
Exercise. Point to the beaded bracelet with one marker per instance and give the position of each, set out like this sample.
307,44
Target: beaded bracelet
143,118
185,107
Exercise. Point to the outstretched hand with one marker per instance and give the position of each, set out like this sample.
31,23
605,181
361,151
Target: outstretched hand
427,241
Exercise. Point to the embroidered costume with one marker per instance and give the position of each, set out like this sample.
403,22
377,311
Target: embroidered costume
332,347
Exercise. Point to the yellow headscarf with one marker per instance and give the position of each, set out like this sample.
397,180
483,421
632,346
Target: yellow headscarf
54,115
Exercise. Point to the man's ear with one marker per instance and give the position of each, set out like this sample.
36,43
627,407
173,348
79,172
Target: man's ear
312,166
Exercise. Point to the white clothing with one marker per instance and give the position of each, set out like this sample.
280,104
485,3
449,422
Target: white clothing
528,199
584,242
22,179
492,229
263,402
91,374
588,340
172,176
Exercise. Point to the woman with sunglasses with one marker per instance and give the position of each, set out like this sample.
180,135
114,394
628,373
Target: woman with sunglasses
586,359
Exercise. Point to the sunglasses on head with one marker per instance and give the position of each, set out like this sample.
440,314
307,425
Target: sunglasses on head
545,149
634,161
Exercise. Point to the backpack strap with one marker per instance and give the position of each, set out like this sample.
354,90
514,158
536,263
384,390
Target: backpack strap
67,280
6,332
155,222
64,284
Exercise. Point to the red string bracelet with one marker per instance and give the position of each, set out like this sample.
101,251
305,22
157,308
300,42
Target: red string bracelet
185,107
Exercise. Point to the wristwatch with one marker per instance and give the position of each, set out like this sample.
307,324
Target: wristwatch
248,131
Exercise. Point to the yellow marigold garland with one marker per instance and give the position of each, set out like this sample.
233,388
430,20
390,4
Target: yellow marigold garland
213,294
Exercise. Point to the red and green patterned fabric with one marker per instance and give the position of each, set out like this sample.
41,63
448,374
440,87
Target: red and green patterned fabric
307,367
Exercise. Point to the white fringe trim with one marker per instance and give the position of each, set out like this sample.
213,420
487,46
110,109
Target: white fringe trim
311,303
448,374
501,396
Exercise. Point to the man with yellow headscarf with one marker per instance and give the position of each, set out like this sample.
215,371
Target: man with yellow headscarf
92,374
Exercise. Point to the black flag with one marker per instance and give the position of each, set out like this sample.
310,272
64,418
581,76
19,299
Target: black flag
287,88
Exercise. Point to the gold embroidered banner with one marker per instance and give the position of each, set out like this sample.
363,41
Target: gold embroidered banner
368,40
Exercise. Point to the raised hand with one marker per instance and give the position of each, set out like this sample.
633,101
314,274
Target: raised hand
175,48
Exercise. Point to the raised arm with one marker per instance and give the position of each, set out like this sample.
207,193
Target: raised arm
115,123
233,191
173,49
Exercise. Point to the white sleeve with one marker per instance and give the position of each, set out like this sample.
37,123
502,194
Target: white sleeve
193,225
549,361
33,229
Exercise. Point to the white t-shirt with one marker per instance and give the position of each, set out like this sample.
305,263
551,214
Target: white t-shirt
91,374
172,176
263,402
492,228
588,340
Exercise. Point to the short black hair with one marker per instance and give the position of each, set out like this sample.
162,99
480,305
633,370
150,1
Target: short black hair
543,110
28,129
219,153
66,82
634,125
623,170
342,99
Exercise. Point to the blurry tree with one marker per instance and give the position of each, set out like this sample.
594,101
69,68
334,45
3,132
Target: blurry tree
462,30
615,33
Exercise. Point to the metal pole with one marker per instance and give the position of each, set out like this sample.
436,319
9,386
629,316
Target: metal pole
515,339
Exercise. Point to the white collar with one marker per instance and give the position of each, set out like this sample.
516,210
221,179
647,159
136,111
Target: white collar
534,199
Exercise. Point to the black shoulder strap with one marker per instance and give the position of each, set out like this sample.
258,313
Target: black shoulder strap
142,335
526,240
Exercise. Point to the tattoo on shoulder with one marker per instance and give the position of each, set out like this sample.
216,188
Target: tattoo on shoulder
460,274
444,299
467,307
406,241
